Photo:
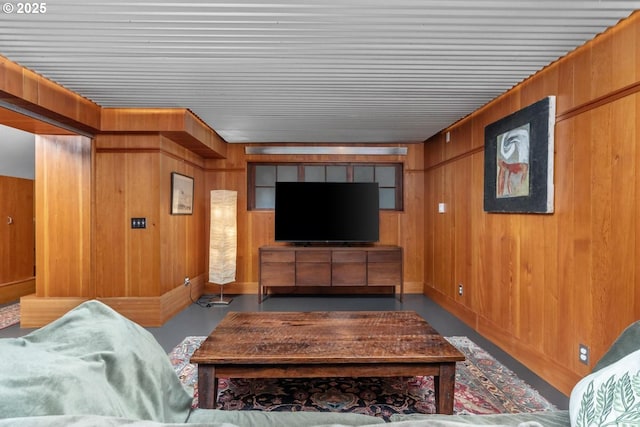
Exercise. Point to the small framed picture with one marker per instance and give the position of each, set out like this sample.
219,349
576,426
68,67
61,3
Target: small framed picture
518,160
181,194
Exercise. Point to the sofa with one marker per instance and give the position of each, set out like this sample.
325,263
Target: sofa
94,367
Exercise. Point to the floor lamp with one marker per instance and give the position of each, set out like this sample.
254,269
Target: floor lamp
223,240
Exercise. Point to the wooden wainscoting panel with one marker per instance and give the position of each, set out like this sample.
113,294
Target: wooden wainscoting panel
12,291
37,311
145,311
63,212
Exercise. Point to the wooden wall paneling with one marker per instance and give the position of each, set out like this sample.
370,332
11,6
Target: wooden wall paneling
460,140
184,240
560,334
143,199
428,218
110,229
635,296
481,260
565,95
461,215
617,217
173,229
449,259
17,229
128,186
616,58
546,283
410,230
602,66
63,212
582,79
442,238
198,241
435,154
583,237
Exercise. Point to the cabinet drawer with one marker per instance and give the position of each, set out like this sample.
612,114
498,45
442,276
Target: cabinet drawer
384,256
277,273
313,256
349,256
313,274
349,274
277,256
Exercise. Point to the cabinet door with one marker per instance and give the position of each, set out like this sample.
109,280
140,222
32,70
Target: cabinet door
17,229
313,274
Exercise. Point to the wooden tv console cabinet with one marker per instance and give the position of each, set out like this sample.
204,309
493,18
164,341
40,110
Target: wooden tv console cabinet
330,266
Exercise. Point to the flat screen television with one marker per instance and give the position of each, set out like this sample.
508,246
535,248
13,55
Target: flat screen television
330,212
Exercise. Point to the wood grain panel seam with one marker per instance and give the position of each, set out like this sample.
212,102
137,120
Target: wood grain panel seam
580,109
147,151
600,101
17,282
225,169
456,158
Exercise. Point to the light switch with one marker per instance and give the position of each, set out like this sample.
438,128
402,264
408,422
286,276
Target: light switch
138,222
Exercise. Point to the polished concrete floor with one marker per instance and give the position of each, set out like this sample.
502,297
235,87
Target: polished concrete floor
201,320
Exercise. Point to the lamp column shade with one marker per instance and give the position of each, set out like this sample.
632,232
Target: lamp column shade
223,237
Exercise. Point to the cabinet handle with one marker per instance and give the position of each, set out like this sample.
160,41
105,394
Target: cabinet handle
9,220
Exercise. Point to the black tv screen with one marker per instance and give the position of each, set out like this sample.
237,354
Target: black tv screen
327,212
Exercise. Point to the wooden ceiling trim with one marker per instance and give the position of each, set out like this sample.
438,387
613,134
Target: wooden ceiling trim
34,93
178,124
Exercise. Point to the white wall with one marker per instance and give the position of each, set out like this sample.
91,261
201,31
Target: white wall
17,153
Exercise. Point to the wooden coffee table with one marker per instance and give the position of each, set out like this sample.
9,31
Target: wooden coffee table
326,344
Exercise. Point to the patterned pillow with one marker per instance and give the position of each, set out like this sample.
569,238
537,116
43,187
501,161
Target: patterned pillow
610,396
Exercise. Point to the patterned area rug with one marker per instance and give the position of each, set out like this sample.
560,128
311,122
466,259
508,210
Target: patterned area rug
483,386
9,315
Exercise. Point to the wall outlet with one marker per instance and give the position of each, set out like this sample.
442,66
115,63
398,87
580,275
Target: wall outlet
187,281
583,354
460,289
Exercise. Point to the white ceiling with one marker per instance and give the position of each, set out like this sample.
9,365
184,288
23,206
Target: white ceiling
303,70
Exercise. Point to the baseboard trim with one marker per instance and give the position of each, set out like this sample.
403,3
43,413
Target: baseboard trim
12,291
152,311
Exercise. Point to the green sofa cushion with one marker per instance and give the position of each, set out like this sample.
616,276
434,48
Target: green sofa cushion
94,361
627,342
280,419
544,418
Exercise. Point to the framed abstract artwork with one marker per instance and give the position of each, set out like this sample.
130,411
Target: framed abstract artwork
518,160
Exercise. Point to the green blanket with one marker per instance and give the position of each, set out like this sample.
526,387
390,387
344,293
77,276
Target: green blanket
69,368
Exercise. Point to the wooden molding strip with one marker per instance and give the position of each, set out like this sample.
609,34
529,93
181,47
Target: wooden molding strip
455,158
600,101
